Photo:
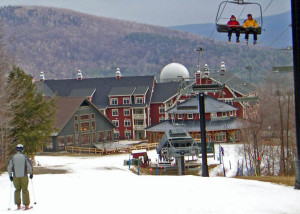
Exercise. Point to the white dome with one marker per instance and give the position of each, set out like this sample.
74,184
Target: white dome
174,72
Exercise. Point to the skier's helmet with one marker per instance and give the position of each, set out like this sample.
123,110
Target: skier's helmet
20,147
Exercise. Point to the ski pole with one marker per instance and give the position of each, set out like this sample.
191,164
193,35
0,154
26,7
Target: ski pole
33,192
10,195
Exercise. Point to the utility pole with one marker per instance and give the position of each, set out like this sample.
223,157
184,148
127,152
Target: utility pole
296,55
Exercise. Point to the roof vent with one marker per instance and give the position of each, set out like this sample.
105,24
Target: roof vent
223,67
79,75
118,73
42,76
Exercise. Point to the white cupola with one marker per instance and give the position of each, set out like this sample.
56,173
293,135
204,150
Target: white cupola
42,76
223,67
118,73
206,70
79,75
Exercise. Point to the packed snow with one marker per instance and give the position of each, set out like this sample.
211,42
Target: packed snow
102,184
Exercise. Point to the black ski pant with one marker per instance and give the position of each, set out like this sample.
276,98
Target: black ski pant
251,30
237,33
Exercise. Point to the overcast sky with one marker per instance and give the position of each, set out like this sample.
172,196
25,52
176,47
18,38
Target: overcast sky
156,12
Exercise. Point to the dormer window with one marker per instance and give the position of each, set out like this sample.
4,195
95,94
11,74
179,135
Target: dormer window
139,100
114,101
126,100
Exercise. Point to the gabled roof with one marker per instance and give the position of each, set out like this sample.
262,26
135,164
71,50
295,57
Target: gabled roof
191,106
233,82
194,125
103,86
141,90
67,106
165,91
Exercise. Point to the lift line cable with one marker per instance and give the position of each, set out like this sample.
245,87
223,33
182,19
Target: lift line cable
280,35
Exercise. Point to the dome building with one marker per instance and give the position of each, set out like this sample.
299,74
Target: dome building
174,72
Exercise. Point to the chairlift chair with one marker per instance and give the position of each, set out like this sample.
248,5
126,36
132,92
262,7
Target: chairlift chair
221,21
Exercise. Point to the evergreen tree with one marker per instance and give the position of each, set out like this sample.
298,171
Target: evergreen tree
33,115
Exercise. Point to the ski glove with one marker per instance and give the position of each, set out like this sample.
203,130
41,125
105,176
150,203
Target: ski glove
31,176
11,178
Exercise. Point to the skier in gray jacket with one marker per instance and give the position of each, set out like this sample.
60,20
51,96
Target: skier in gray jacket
18,166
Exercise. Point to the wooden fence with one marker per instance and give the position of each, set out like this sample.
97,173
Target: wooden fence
87,150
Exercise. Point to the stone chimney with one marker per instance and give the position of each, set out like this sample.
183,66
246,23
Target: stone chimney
42,76
118,73
223,67
79,75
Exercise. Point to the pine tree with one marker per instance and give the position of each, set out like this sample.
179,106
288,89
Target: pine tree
33,115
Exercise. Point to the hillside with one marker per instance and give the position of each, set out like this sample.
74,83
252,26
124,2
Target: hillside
59,42
276,32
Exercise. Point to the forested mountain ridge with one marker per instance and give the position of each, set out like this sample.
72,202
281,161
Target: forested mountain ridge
59,42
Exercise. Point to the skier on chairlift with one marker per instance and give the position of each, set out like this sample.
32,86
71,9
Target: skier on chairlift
233,26
251,27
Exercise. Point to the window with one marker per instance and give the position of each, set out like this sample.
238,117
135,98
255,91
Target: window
93,125
108,135
179,116
127,134
61,142
75,117
115,112
76,140
236,135
93,116
224,114
85,126
114,101
139,122
221,137
231,113
126,112
127,123
229,102
161,109
161,119
49,144
116,135
139,100
84,117
70,141
126,100
116,123
190,116
94,139
100,137
85,139
76,127
139,111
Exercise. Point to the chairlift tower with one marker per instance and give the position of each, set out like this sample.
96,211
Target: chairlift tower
201,89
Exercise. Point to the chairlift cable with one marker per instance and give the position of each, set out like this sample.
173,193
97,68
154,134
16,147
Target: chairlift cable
239,16
280,35
267,7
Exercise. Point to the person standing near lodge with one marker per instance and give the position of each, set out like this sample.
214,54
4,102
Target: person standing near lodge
19,165
233,25
251,27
